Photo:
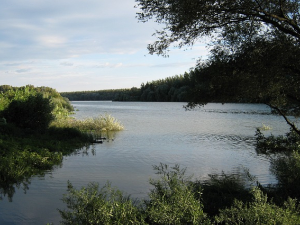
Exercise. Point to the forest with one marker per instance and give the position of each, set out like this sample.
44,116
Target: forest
103,95
177,88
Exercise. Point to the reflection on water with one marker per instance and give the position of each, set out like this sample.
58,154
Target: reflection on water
207,141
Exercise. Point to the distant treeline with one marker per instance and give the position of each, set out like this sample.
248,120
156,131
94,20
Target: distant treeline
170,89
178,88
104,95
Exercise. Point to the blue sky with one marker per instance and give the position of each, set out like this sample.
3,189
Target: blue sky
77,45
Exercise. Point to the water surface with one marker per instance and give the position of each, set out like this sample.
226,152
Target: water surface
207,140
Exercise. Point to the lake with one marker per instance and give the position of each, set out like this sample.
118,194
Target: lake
206,141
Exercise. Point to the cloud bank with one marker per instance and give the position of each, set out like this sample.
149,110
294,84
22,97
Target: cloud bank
65,44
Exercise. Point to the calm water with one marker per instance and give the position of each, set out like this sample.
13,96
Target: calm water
208,140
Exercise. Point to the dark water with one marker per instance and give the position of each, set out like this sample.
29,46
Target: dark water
208,140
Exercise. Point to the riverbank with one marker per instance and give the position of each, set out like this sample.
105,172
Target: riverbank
25,153
206,141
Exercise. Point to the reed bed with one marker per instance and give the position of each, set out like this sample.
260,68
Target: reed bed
100,123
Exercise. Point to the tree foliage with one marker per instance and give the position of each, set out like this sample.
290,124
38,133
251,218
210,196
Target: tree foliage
60,106
267,71
170,89
255,54
185,21
131,94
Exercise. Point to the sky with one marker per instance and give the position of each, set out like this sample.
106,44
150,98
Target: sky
83,45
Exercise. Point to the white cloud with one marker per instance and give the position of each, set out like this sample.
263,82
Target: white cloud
109,65
46,40
23,70
66,64
52,41
76,27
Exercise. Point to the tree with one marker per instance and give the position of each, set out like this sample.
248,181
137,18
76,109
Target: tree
267,71
256,48
185,21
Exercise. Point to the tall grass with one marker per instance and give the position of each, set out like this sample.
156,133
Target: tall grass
96,124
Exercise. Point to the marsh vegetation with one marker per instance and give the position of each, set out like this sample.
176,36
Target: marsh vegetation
176,199
36,131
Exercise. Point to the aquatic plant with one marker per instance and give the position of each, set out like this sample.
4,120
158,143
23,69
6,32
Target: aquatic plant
265,127
96,124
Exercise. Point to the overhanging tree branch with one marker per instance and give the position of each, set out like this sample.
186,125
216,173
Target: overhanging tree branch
291,124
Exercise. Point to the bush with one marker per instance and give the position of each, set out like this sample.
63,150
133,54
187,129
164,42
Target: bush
260,212
220,191
175,199
172,201
67,134
287,171
93,206
34,113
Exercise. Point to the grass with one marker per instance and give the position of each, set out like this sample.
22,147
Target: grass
100,123
265,127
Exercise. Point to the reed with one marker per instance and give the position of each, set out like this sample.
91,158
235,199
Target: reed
265,127
96,124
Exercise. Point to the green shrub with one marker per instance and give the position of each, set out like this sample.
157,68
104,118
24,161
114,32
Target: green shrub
9,129
172,201
61,107
35,112
93,206
260,211
220,191
67,134
287,171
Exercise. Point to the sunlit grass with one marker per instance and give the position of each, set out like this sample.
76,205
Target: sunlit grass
96,124
265,127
